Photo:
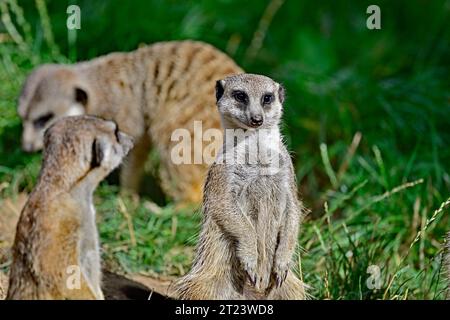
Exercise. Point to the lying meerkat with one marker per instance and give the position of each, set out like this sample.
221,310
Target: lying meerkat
149,93
56,236
251,212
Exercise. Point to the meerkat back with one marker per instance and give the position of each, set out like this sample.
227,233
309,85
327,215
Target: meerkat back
181,83
56,250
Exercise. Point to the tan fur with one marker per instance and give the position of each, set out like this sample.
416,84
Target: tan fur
3,285
250,217
149,92
56,229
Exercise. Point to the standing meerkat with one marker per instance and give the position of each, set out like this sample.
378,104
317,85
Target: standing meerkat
251,212
149,93
56,236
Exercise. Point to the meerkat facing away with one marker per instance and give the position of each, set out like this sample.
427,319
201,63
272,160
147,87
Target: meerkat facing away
56,234
149,93
251,212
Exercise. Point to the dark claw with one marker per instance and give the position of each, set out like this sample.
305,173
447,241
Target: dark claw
278,281
252,279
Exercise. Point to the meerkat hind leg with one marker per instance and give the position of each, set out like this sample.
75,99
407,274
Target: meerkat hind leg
198,287
292,289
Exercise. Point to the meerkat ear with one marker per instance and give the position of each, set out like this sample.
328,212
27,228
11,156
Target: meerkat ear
81,96
281,93
97,154
49,136
219,89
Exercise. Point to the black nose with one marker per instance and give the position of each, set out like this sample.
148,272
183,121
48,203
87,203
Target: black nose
256,120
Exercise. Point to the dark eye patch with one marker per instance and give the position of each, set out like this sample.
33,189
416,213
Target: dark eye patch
240,96
42,120
267,99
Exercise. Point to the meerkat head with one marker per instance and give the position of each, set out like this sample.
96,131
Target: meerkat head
82,149
49,93
249,101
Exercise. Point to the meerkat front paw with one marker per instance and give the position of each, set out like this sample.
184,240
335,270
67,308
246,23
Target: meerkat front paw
249,264
250,269
280,272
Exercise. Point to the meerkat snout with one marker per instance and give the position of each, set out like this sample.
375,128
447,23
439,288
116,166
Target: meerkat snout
249,105
256,120
125,141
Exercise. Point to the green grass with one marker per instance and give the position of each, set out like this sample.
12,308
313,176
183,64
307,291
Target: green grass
366,119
